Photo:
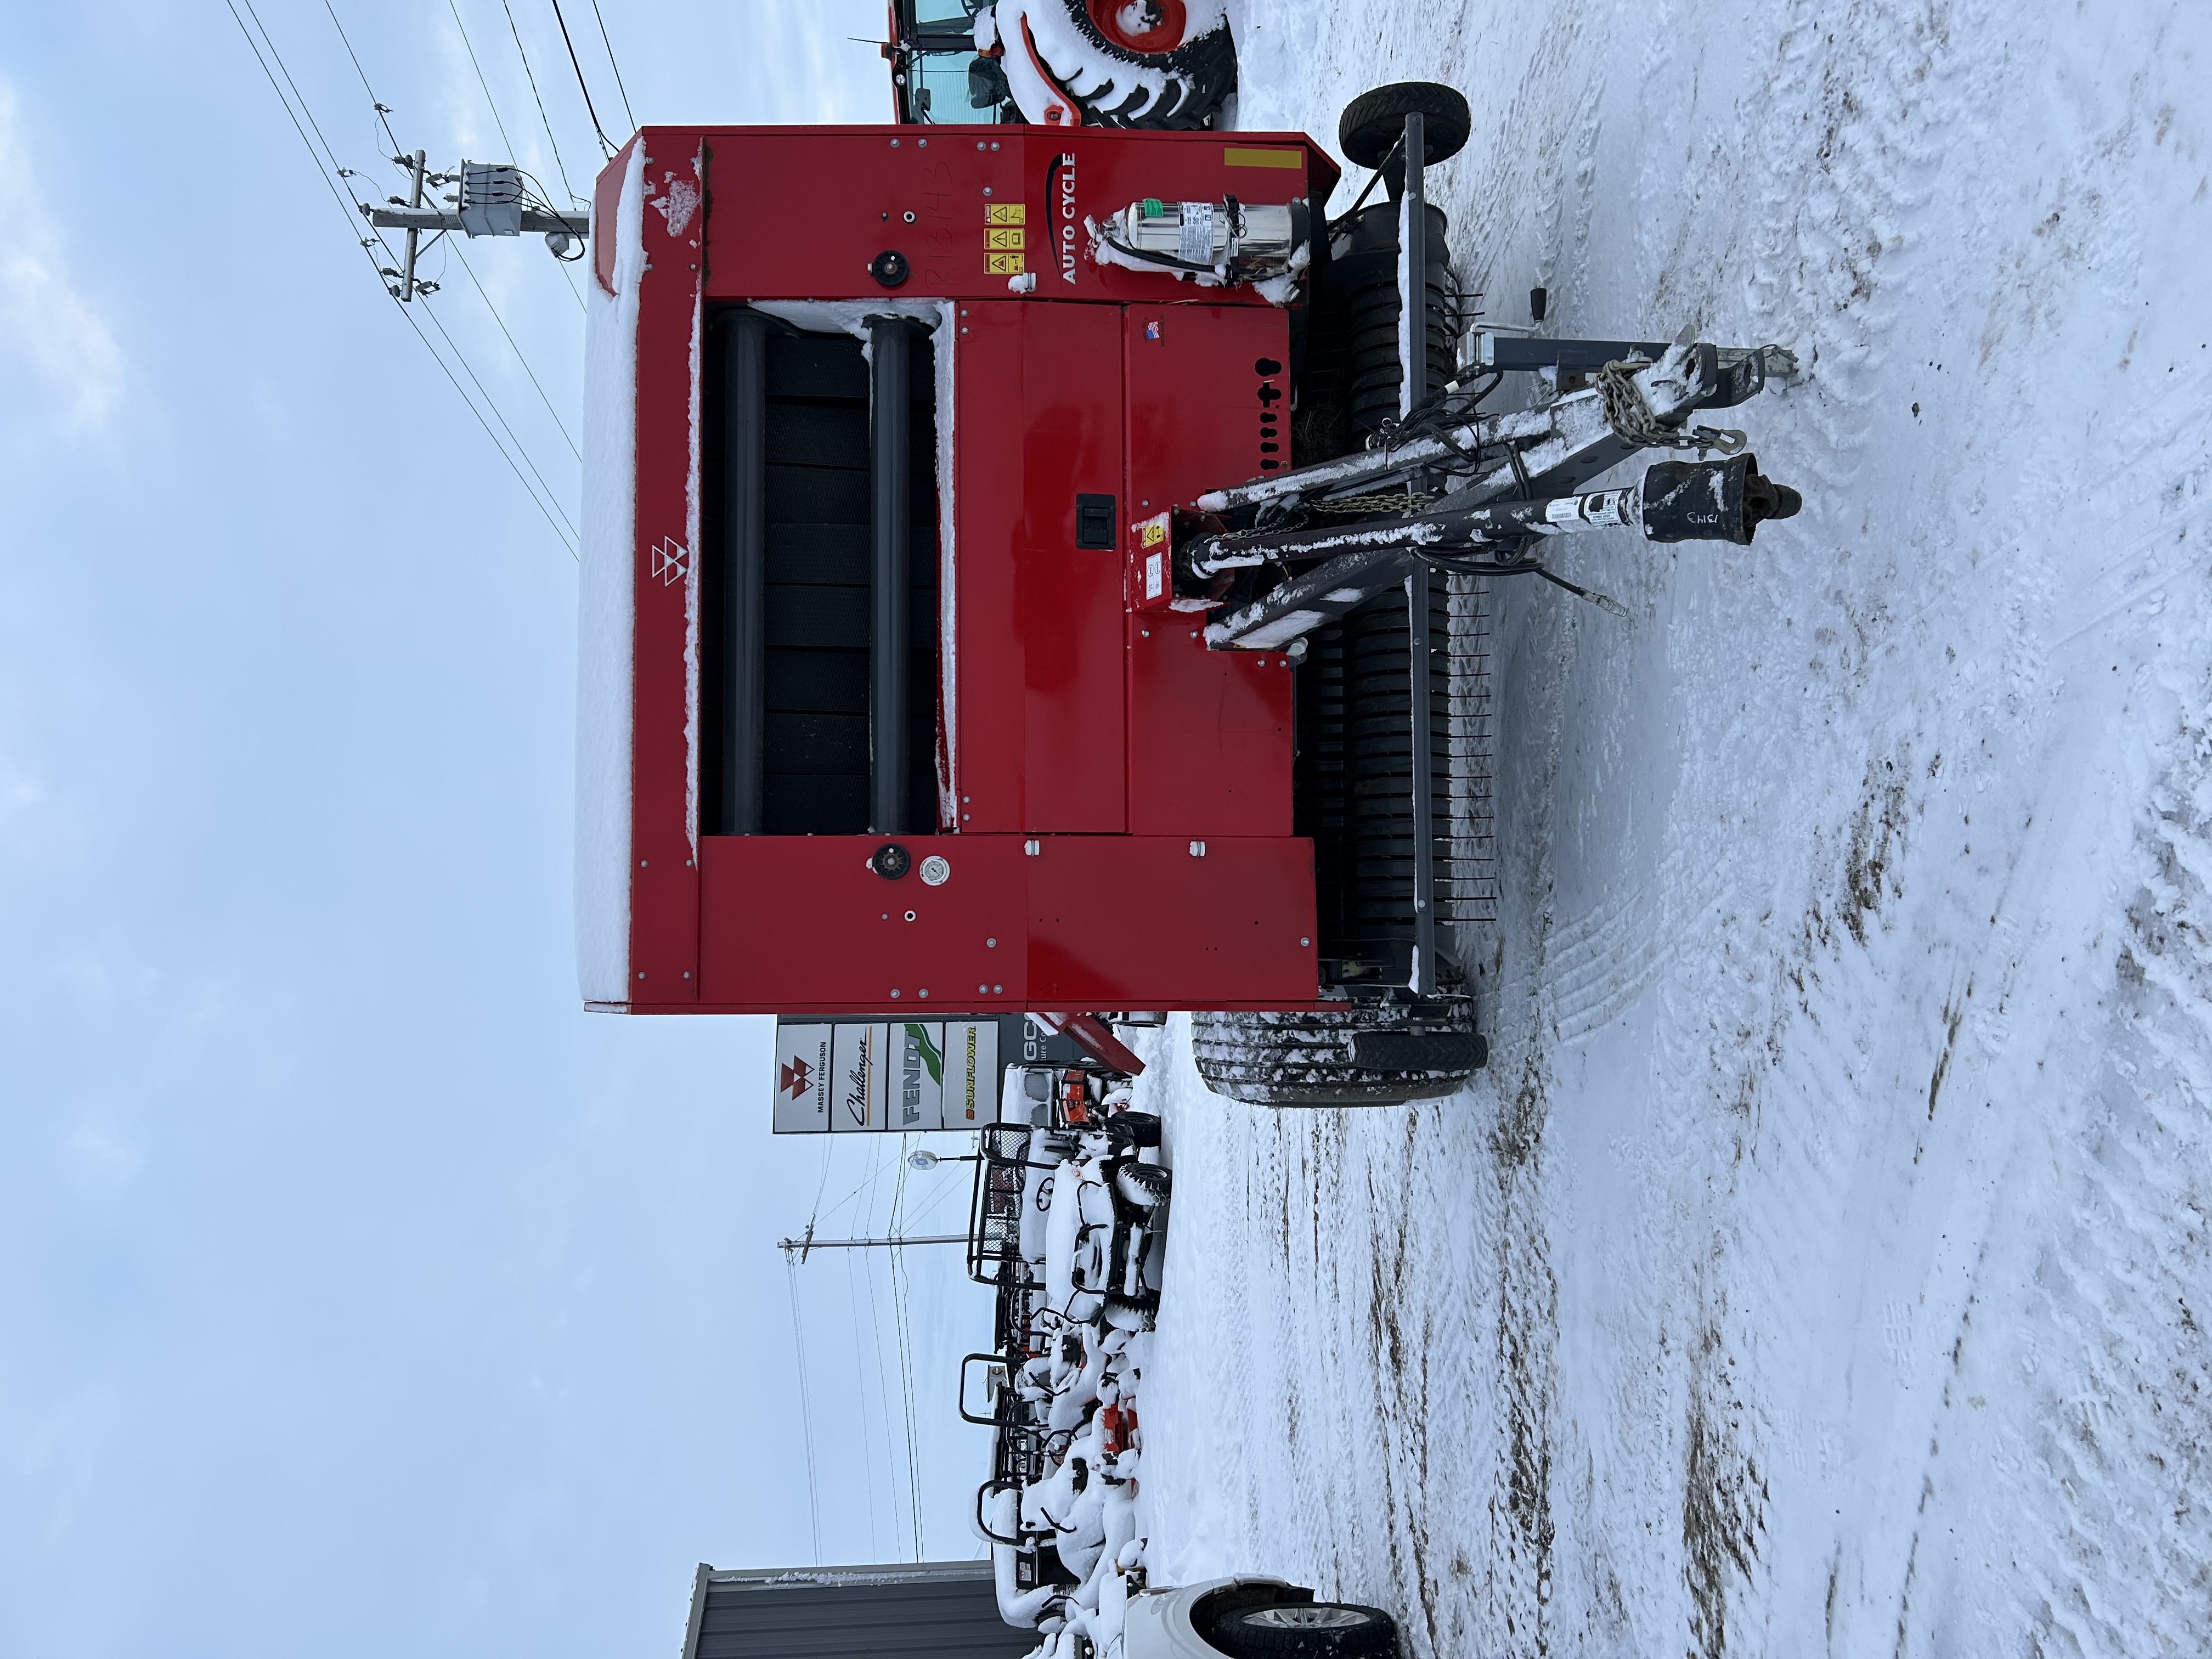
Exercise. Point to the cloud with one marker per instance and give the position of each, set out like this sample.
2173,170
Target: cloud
46,323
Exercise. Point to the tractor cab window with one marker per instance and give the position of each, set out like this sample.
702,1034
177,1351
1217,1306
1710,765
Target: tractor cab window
938,75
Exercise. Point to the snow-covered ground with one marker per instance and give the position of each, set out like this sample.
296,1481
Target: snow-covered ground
1822,1265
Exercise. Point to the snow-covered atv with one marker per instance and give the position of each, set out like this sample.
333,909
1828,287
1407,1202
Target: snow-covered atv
1159,64
1069,1218
1070,1208
1069,1226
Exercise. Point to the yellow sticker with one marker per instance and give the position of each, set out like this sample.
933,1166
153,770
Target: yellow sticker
1004,265
1263,158
1156,532
1003,212
1003,238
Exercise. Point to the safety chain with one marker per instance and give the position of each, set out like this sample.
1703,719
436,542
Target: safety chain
1405,501
1629,413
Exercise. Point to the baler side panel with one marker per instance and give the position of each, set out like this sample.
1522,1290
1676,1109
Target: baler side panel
1070,596
799,212
1210,747
1241,933
664,885
1040,658
801,922
1210,744
988,460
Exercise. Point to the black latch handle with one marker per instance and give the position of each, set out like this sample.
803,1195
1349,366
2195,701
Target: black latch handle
1094,521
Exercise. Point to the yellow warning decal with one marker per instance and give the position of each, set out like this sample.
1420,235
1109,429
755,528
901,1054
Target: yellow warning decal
1156,532
993,237
1263,158
1003,212
1004,265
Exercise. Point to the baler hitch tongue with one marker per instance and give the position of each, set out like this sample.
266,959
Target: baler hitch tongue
1712,501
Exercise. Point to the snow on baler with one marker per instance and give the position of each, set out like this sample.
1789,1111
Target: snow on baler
1008,556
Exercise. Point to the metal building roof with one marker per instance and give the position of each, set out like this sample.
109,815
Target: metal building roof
948,1609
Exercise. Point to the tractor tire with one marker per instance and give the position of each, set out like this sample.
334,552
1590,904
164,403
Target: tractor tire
1123,1315
1308,1630
1359,1057
1133,1128
1376,120
1123,79
1147,1186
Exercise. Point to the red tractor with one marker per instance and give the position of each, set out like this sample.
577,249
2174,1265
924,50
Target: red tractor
1035,570
1155,63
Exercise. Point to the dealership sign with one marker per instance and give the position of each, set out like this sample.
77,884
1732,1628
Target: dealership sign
902,1075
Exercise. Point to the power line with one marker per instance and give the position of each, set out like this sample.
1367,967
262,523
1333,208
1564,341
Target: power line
883,1383
469,47
381,111
899,1284
805,1407
574,293
560,526
867,1452
366,243
560,166
614,65
294,85
581,87
461,254
821,1181
943,1192
493,406
513,149
874,1175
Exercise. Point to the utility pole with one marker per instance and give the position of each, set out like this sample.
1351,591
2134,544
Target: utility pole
488,200
407,288
809,1244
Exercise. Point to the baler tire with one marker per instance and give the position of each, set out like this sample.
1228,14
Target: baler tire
1308,1059
1307,1630
1376,120
1196,76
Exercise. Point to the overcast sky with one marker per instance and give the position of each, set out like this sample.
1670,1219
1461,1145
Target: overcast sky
359,1294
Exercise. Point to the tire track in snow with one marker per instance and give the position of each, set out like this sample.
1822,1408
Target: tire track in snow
1603,960
2123,1376
1853,1192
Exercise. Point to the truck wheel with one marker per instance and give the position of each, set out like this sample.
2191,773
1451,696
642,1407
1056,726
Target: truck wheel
1356,1058
1376,120
1160,63
1307,1630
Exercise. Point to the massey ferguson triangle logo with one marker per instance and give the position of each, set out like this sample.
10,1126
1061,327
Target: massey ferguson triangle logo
798,1077
671,562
